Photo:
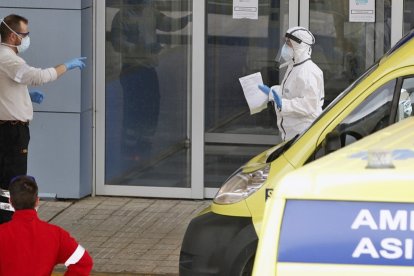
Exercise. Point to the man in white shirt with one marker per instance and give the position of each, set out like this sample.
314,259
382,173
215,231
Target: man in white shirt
16,110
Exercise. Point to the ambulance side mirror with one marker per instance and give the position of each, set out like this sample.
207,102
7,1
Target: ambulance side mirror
332,142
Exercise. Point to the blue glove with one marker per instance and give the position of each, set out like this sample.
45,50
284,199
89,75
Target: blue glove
76,62
36,96
266,89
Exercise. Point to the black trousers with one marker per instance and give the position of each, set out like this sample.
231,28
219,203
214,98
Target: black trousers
141,109
14,143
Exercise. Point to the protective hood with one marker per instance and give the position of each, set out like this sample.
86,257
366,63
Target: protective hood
302,40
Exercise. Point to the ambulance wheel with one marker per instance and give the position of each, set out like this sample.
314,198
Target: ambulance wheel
244,262
248,268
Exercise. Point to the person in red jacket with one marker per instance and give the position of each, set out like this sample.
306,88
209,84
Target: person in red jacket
30,246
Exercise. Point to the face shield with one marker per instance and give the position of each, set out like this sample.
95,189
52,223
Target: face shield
284,55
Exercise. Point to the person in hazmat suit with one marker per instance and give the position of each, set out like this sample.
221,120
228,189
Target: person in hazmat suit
299,98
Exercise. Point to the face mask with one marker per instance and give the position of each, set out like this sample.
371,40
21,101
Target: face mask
24,45
287,53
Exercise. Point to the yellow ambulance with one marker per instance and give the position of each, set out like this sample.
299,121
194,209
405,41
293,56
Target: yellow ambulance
222,240
349,213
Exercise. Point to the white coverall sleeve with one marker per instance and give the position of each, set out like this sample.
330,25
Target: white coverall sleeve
309,103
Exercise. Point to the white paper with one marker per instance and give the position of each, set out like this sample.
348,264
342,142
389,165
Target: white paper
361,10
245,9
256,99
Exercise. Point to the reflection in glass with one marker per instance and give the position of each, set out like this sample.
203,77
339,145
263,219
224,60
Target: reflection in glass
236,48
344,50
406,101
408,16
147,57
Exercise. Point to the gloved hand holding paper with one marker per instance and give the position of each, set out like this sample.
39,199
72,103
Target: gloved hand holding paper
256,99
272,96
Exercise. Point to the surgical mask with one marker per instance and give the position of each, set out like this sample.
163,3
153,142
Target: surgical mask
24,45
287,53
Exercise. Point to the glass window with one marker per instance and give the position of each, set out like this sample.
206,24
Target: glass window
147,91
408,15
344,49
370,116
406,100
236,48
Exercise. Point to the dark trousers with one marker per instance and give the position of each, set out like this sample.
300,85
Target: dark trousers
14,143
141,109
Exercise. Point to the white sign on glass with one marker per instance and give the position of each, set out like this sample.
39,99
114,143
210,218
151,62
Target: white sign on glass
361,10
245,9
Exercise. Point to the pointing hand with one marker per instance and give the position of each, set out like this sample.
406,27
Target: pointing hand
75,63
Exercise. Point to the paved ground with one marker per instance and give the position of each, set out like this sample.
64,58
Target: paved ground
126,236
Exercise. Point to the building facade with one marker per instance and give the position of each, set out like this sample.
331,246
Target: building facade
160,111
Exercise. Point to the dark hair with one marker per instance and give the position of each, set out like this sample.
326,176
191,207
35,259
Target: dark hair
13,21
23,192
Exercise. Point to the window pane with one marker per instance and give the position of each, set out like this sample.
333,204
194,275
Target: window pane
147,87
406,101
408,15
370,116
236,48
344,49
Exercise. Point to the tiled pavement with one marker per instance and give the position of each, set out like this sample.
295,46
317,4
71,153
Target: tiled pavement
126,236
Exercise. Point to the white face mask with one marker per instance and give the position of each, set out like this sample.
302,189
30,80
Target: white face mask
24,45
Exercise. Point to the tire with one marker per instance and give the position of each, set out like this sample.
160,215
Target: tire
243,266
248,268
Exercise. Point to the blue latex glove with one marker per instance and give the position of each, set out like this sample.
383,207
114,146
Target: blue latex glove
36,96
266,89
75,63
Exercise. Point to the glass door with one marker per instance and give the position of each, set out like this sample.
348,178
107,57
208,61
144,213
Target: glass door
236,48
143,131
346,45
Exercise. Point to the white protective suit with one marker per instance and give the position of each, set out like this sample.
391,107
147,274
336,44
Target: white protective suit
302,88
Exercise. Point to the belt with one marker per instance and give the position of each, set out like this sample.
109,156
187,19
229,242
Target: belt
10,122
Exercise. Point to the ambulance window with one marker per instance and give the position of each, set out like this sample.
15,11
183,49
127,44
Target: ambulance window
370,116
406,100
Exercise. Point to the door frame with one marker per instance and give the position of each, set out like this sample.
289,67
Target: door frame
195,114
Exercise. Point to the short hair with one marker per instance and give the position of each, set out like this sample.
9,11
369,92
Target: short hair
13,21
23,192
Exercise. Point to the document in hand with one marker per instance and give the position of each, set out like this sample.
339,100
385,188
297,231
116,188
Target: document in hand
256,99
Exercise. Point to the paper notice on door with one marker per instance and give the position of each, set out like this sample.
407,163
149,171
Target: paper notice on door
362,11
256,99
245,9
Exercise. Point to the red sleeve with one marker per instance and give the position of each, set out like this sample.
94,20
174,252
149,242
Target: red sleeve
74,256
82,267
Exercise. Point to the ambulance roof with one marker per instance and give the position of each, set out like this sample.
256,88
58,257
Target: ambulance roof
346,175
